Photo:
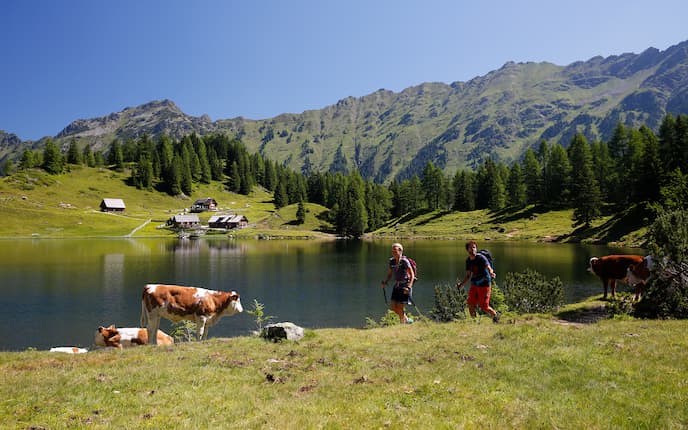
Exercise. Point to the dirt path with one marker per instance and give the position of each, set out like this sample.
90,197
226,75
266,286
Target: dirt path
138,228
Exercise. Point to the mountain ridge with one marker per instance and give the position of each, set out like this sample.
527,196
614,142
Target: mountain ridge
390,135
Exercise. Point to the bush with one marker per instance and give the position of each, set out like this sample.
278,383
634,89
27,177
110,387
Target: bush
667,290
388,319
531,292
450,303
184,331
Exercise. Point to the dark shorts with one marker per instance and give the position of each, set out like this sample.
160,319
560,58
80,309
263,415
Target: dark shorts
401,294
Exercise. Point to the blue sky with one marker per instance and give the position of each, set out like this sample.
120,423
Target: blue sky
73,59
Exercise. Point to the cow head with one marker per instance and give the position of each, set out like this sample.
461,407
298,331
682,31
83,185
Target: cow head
107,336
592,264
235,303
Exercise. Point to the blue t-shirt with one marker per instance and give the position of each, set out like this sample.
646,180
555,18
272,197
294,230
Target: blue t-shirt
480,276
400,270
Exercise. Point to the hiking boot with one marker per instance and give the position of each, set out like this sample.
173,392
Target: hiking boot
409,320
496,317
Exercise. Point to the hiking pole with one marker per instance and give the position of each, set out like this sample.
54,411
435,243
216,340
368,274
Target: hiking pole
384,293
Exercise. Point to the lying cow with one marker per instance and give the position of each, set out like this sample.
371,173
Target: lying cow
611,268
69,349
638,274
128,336
176,303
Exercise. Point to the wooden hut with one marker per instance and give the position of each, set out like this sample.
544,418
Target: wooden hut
112,205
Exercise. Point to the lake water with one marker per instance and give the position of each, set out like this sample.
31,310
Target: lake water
57,292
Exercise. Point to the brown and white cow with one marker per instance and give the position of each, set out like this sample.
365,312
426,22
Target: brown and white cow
611,268
638,274
128,336
177,303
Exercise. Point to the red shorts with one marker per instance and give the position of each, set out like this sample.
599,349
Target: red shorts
479,296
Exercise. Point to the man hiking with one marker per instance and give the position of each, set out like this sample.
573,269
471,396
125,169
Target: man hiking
479,271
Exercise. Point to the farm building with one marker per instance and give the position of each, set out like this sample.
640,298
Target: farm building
228,221
185,221
112,205
201,205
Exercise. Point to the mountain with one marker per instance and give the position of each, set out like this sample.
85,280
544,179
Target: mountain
387,135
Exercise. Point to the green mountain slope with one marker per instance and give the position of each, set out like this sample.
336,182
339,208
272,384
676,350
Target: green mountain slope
387,135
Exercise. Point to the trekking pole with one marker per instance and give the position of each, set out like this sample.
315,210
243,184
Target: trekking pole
384,293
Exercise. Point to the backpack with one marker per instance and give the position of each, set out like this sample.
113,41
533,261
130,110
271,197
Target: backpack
413,265
488,255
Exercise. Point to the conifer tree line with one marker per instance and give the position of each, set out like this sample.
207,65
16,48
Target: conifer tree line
635,166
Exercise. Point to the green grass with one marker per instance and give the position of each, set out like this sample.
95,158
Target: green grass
526,224
528,372
35,204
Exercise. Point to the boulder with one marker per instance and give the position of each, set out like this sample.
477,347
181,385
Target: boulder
280,331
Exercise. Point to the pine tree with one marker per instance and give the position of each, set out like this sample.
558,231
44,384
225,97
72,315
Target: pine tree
650,169
603,167
533,177
556,177
668,143
280,196
300,213
464,195
28,160
115,156
234,177
516,188
203,160
143,174
355,217
378,205
173,178
53,161
585,192
88,156
432,183
73,153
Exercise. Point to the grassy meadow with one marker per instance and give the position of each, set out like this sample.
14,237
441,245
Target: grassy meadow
528,372
35,204
538,371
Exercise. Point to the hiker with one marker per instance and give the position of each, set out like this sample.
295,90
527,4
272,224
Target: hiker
480,273
400,269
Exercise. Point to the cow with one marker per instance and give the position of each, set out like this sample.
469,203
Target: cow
611,268
638,274
177,303
128,336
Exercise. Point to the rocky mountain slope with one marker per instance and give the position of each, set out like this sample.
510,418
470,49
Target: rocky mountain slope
387,135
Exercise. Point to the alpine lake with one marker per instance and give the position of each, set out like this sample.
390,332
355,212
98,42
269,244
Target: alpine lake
56,292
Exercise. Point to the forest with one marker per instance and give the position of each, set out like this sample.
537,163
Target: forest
636,166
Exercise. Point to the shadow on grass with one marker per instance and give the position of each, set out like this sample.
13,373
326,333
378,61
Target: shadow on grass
615,228
584,315
509,215
438,215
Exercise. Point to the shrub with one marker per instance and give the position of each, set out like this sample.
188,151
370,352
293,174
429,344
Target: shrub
258,312
450,303
667,290
388,319
531,292
184,331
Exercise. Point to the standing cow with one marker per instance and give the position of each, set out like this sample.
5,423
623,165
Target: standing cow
177,303
611,268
